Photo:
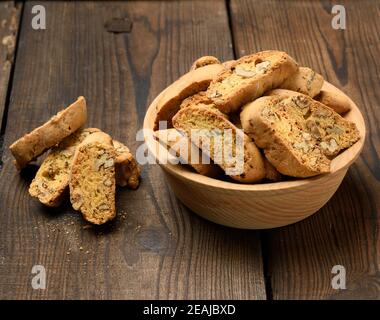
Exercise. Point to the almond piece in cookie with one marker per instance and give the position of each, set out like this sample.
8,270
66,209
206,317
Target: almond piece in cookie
52,177
182,147
127,169
305,81
64,123
204,61
336,101
92,180
249,77
189,84
222,141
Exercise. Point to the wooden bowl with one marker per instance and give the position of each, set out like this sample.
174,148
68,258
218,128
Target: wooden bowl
255,206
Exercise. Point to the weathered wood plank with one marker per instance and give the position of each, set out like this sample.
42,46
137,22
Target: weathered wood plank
156,248
345,232
9,23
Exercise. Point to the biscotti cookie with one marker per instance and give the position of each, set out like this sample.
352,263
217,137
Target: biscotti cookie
196,99
298,134
305,81
336,101
182,147
200,99
249,77
126,167
282,93
333,131
271,174
206,125
284,137
204,61
52,177
189,84
49,134
92,180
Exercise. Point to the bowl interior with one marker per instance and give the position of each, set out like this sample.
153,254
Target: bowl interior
342,161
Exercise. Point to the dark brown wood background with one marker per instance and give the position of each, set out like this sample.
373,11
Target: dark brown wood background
158,249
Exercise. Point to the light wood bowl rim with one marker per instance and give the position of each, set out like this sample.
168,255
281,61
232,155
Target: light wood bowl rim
341,162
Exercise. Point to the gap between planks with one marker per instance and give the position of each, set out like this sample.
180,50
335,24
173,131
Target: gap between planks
263,234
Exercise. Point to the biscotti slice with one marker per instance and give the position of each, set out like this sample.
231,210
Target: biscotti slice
181,146
204,61
92,179
52,177
332,131
222,141
305,81
49,134
189,84
198,98
249,77
127,169
283,135
202,100
336,101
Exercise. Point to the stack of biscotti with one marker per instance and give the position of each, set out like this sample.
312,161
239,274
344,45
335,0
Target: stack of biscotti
84,161
286,123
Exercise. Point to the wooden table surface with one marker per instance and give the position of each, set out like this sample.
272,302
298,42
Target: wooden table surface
157,248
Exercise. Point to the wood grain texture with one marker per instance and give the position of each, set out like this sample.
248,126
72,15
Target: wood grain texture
300,257
9,23
156,248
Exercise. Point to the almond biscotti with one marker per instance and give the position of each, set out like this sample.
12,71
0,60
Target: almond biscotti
49,134
249,77
202,100
52,177
199,98
282,137
189,84
181,145
222,141
334,132
204,61
298,134
336,101
92,180
305,81
126,167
